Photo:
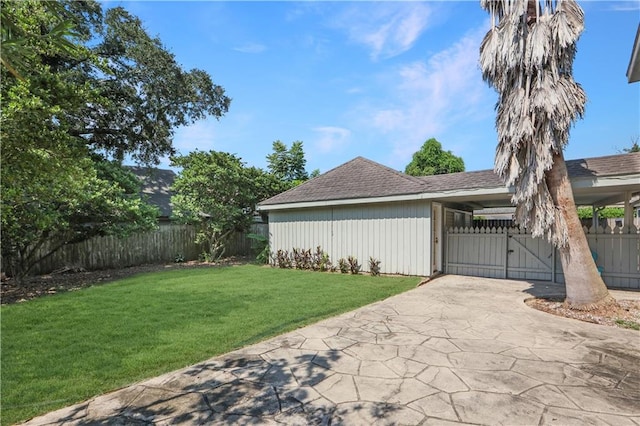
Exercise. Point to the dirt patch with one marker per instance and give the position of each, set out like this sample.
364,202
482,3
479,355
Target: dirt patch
70,280
624,313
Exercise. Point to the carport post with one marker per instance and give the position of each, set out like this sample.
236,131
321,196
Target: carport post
628,212
553,265
506,252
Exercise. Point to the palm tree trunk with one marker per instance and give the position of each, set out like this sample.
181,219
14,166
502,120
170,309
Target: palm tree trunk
584,286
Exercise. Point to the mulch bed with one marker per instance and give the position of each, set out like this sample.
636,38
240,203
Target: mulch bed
623,314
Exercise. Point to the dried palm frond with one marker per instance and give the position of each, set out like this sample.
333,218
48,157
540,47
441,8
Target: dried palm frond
527,56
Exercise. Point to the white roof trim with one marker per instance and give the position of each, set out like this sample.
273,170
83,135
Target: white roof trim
344,202
605,181
576,183
633,71
390,199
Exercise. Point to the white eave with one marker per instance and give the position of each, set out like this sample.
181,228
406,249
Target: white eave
633,71
388,199
606,183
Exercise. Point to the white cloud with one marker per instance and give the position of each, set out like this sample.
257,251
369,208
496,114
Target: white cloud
250,48
431,97
331,138
625,6
200,136
388,120
387,29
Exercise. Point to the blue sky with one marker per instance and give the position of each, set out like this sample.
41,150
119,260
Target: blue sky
376,79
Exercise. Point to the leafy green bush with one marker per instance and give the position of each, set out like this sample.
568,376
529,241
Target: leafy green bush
605,213
260,246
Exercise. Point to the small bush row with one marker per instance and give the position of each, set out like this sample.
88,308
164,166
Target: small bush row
319,260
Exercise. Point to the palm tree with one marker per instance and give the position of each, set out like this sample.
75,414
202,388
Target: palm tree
527,56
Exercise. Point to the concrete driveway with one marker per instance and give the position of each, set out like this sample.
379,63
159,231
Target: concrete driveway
459,350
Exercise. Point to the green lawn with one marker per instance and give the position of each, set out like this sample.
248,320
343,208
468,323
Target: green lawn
62,349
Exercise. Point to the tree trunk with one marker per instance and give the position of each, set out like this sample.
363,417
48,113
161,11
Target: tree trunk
584,286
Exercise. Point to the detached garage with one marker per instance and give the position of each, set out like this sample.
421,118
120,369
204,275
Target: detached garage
365,209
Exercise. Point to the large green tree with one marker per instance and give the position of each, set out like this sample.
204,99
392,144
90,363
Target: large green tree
527,56
79,86
216,192
146,79
431,159
288,164
119,91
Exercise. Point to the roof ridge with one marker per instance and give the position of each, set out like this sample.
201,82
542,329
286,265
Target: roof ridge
306,182
456,173
413,179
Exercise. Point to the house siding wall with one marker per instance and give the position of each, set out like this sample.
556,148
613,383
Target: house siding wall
397,234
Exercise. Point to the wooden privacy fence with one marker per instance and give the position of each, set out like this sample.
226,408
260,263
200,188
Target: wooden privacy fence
164,245
512,253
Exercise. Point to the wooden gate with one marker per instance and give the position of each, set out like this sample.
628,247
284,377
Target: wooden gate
514,254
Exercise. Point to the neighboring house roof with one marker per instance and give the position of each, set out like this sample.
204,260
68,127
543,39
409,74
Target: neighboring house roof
362,179
633,71
156,187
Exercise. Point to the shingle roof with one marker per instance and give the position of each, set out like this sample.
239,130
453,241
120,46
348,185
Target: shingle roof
362,178
611,165
358,178
462,180
156,184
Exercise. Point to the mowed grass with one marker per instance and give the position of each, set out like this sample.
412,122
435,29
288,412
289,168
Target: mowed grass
62,349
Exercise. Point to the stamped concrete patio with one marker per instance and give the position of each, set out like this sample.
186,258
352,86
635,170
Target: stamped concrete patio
459,350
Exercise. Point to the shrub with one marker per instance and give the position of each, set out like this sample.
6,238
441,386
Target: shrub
260,246
605,213
343,266
374,266
354,266
320,261
283,259
302,258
